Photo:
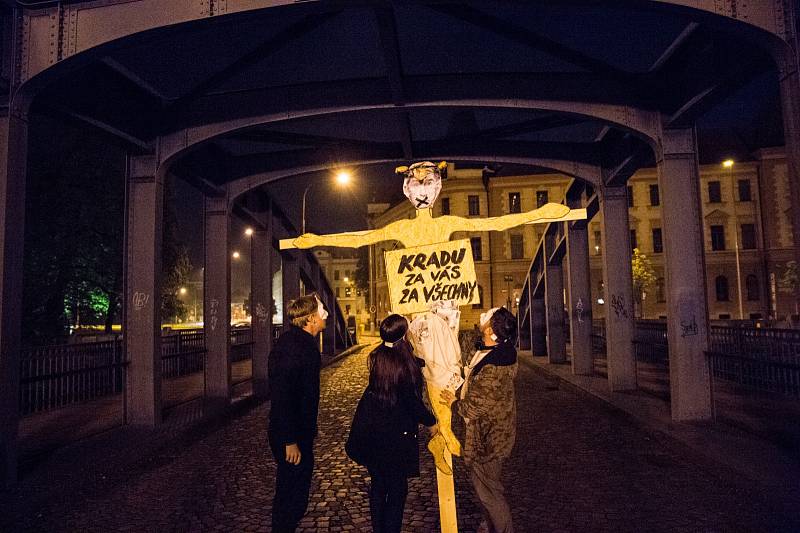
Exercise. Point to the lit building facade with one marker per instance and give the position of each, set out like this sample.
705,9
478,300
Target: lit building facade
746,220
339,266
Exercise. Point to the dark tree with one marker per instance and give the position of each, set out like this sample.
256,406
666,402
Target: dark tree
73,231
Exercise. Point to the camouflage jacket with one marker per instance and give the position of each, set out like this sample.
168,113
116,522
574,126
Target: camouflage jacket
489,408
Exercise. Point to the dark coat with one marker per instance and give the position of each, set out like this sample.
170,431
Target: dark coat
294,366
489,407
387,435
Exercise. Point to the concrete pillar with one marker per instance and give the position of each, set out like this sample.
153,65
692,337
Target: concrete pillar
789,81
580,298
13,164
290,272
618,289
684,263
554,306
538,327
216,303
142,324
261,294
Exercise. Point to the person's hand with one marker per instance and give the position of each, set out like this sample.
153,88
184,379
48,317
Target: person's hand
447,397
293,454
306,240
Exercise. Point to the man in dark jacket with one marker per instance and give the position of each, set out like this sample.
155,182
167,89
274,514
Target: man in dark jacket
294,366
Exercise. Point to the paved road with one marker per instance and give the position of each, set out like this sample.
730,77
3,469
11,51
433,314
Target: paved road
577,466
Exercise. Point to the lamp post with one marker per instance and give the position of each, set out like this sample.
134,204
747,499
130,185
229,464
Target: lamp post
728,163
508,280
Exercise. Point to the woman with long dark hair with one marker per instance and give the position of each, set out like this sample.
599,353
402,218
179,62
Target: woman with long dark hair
383,436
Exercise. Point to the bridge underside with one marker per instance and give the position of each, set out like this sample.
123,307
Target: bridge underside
230,99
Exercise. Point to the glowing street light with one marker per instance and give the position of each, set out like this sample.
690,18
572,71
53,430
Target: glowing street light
236,255
183,290
343,178
248,232
728,163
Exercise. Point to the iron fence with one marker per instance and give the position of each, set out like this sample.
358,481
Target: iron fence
182,353
56,376
758,359
60,375
761,375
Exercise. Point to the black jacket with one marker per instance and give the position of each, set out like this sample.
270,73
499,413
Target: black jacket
294,366
388,440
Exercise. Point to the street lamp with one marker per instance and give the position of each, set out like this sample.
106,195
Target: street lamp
343,177
248,232
728,163
236,255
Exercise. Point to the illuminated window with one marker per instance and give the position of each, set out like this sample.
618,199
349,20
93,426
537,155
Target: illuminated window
514,203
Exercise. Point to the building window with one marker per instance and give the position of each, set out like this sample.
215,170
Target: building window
479,305
597,242
660,295
753,292
477,253
348,292
474,205
630,195
717,238
748,236
336,274
337,292
721,284
655,199
346,274
541,198
347,309
514,204
744,191
714,192
516,246
633,239
445,206
658,244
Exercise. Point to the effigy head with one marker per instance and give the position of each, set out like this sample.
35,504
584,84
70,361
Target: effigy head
422,183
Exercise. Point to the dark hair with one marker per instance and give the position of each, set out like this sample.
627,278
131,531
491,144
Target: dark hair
504,325
391,368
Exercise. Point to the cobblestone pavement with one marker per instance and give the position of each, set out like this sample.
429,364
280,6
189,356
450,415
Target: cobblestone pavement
577,466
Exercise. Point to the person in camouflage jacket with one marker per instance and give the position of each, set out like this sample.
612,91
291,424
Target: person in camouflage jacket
488,408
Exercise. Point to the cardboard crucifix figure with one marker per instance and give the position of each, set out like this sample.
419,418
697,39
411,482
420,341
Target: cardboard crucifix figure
431,277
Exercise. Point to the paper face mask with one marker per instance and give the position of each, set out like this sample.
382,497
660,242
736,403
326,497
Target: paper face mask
487,316
422,185
323,314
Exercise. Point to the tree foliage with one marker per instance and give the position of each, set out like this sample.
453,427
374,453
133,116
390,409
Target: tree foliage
175,261
643,273
362,269
73,231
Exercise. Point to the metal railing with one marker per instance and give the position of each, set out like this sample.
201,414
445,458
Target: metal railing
56,376
60,375
758,359
182,353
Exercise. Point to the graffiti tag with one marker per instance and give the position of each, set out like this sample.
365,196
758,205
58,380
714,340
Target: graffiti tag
579,310
618,305
261,313
140,300
213,312
689,327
